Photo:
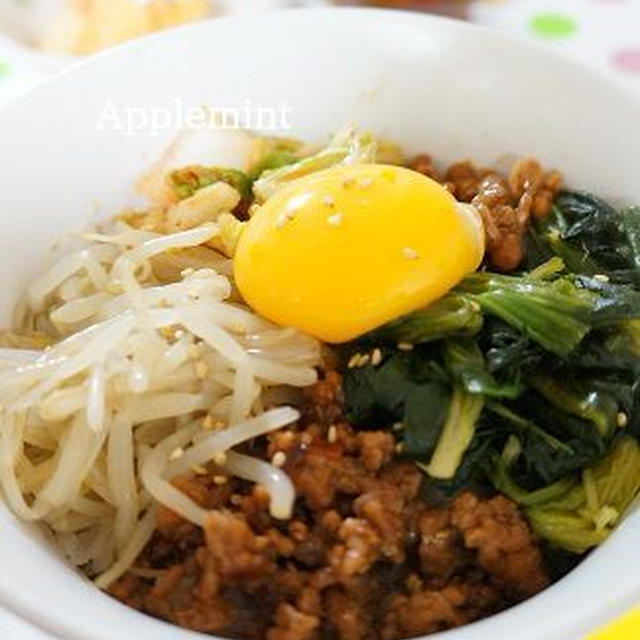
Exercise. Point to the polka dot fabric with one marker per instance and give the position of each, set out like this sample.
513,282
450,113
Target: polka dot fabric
602,33
22,68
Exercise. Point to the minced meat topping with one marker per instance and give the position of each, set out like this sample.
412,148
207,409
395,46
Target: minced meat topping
506,203
364,557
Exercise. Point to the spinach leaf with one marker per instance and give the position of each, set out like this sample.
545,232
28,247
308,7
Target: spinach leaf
425,413
576,442
591,236
402,390
466,363
507,351
543,366
555,314
456,435
453,315
476,464
577,515
579,398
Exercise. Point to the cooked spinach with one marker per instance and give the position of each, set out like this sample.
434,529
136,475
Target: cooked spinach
468,366
452,315
525,382
400,391
577,516
554,442
591,236
456,434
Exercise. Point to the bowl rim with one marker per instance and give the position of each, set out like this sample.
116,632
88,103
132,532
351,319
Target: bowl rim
302,16
456,24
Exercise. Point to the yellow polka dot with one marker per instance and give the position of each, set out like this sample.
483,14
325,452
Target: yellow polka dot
626,628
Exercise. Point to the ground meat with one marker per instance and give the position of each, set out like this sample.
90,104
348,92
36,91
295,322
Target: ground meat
376,448
320,470
188,594
425,611
201,490
238,553
423,164
346,616
504,543
404,476
325,400
463,180
291,624
506,203
350,612
528,177
359,548
441,553
386,511
363,557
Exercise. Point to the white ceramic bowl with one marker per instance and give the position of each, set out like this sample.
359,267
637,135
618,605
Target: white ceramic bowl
444,87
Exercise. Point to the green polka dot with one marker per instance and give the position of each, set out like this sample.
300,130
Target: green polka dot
4,69
553,25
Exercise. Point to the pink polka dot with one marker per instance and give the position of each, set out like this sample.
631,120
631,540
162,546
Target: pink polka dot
627,59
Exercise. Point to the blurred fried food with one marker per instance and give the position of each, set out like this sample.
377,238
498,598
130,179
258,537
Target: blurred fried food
85,26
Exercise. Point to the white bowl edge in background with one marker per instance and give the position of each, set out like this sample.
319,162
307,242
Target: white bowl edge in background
433,85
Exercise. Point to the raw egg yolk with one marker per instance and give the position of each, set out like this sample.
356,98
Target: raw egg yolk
345,250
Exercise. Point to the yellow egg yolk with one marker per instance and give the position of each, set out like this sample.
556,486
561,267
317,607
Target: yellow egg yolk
345,250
